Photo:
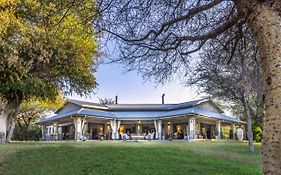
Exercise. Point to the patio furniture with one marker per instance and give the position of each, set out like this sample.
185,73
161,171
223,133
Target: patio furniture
149,136
124,136
138,137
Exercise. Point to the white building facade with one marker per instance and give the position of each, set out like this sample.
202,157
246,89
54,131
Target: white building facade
80,120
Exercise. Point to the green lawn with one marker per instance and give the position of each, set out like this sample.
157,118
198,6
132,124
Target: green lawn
109,157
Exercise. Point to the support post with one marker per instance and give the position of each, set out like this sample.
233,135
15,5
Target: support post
156,129
91,126
56,133
113,124
187,131
219,130
233,131
44,130
78,128
117,129
84,127
192,128
160,129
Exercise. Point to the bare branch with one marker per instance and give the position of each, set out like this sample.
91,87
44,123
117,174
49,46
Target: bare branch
186,17
212,34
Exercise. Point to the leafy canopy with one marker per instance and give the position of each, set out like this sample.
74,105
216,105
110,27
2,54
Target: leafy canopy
46,47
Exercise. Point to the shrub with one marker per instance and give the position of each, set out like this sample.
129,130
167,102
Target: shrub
32,133
257,132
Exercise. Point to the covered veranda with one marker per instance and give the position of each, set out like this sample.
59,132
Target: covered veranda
80,120
83,125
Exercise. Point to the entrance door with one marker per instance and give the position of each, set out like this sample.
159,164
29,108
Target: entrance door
95,133
209,132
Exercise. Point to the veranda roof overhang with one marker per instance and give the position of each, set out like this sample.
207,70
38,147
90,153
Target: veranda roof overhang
80,112
139,115
198,111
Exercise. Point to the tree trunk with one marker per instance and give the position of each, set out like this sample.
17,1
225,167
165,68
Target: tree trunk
11,129
249,125
3,127
4,119
264,19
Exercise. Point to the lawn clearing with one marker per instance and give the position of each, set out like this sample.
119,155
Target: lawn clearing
110,157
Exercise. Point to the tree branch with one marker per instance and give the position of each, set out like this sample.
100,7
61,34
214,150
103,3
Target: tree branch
213,33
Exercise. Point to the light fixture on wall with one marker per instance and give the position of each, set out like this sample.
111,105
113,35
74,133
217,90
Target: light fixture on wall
169,127
178,128
122,128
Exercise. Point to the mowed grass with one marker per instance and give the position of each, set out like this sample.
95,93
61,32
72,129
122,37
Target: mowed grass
117,157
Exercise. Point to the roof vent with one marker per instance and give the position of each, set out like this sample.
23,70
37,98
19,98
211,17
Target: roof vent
163,98
116,99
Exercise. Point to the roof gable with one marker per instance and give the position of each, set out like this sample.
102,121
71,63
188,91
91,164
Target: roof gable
210,106
68,107
86,104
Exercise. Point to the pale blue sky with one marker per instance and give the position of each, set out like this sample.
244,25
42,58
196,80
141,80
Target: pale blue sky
131,88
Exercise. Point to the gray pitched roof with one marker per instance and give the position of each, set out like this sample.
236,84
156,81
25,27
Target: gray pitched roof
139,111
86,103
133,107
139,107
79,112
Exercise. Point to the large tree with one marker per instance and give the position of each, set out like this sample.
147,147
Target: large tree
236,81
157,38
45,47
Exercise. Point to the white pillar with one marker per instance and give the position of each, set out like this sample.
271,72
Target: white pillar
84,126
78,128
233,127
60,134
60,129
187,130
113,125
44,131
56,133
192,128
107,130
240,134
160,129
156,129
117,128
219,129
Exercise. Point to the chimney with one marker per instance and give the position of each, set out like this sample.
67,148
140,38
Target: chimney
163,98
116,99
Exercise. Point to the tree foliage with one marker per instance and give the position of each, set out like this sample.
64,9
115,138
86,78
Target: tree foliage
106,101
46,47
30,112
